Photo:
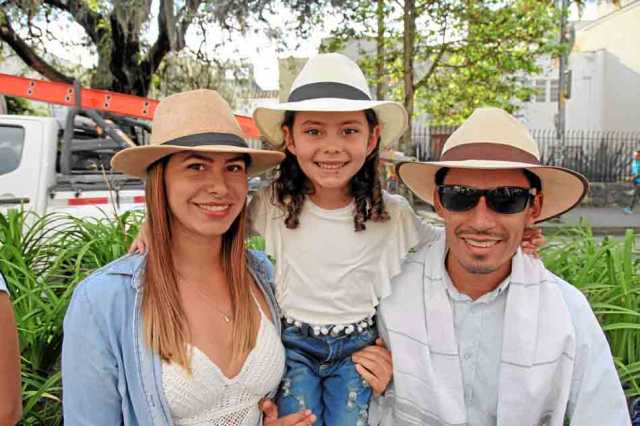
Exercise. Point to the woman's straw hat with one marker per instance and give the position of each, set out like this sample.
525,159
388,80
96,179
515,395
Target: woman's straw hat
198,120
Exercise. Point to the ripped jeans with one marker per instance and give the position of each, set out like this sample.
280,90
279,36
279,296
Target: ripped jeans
320,376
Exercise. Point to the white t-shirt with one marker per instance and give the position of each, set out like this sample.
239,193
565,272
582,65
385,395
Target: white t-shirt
3,285
325,272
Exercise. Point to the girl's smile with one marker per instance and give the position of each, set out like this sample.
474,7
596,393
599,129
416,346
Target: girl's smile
331,165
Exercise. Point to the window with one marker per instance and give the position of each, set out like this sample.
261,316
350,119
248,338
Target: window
541,91
554,90
11,146
526,83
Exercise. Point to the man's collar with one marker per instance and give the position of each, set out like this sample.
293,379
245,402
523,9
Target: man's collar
457,296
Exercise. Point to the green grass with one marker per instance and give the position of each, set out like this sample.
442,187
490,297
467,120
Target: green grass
606,271
44,257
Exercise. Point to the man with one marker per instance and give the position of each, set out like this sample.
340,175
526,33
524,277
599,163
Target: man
480,333
635,179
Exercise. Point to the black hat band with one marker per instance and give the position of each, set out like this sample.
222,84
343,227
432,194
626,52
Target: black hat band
211,138
327,90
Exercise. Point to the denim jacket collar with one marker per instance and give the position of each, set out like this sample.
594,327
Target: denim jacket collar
132,269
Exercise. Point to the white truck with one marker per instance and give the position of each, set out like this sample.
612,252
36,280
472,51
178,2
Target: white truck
49,166
63,165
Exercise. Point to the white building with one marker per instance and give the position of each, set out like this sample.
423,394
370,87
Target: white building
539,111
605,76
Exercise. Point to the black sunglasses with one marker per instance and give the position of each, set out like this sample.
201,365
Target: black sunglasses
503,199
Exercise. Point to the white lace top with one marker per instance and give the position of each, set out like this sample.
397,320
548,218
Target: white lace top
208,397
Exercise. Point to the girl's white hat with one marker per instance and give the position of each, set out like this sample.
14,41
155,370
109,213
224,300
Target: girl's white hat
332,82
492,139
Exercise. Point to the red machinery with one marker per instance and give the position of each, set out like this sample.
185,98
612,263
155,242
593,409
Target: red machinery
100,100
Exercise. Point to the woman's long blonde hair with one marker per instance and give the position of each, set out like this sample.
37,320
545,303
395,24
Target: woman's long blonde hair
165,323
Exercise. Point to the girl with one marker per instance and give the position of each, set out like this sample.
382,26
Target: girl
337,238
11,403
188,333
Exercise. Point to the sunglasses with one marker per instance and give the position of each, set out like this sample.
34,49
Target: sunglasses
503,199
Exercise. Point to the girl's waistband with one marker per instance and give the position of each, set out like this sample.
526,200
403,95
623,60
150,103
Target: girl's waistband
331,329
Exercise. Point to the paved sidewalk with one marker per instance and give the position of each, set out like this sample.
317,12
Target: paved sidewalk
603,220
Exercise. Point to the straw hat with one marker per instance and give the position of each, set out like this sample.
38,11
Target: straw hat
198,120
493,139
332,82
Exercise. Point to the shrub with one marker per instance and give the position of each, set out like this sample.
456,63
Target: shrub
605,269
42,259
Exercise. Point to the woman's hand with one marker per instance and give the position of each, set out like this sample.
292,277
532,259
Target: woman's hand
532,240
139,245
373,363
302,418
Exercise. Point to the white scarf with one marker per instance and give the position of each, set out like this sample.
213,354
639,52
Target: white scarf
538,349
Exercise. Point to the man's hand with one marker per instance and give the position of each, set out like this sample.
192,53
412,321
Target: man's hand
374,364
302,418
532,240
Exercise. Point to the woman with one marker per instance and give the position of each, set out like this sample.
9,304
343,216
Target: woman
189,332
11,403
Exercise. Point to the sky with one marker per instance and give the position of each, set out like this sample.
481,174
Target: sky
261,51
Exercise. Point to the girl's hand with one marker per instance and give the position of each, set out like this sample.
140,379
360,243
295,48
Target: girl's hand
139,245
532,240
373,363
302,418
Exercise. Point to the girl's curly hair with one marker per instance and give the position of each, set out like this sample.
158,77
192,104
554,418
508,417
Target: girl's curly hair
291,185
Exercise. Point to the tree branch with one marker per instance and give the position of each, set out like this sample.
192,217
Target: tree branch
162,45
434,65
83,15
26,53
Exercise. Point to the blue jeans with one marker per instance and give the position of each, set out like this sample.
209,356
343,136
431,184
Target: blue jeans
321,377
635,412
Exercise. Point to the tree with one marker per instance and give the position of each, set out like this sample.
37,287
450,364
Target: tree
188,70
114,30
446,57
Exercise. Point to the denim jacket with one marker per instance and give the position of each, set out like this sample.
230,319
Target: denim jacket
109,375
3,285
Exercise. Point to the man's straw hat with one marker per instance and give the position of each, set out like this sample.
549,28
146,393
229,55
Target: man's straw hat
493,139
331,82
198,120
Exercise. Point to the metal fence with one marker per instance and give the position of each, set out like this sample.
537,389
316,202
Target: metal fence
602,156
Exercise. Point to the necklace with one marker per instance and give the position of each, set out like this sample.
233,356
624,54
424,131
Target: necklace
227,318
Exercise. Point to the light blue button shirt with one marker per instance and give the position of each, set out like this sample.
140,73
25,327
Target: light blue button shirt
479,325
3,285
